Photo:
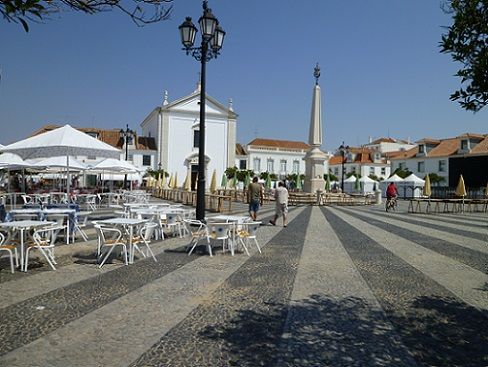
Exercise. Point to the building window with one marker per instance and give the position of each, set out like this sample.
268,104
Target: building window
464,145
442,166
283,165
296,167
401,166
383,171
421,149
371,170
421,166
196,138
91,157
146,160
242,164
256,165
336,171
130,157
270,166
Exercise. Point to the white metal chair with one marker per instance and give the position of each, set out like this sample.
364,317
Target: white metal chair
248,231
27,199
42,242
174,223
61,225
81,223
221,232
198,231
8,248
143,238
109,238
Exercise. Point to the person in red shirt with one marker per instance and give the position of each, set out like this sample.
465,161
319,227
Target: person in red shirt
391,191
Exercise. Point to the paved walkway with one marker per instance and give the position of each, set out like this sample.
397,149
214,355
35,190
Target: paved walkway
340,286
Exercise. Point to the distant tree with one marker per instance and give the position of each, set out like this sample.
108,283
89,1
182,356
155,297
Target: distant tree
376,178
353,174
401,173
435,179
331,177
467,42
27,11
155,173
231,171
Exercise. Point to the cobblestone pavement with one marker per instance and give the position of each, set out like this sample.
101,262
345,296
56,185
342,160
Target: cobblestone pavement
340,286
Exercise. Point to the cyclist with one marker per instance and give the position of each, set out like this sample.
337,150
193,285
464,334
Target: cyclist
391,194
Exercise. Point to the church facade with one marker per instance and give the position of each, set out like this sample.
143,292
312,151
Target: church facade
175,127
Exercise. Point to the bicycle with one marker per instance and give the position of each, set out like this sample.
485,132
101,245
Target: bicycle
391,203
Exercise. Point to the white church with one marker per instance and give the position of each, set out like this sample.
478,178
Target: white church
175,126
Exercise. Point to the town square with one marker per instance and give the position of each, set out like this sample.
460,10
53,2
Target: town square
178,187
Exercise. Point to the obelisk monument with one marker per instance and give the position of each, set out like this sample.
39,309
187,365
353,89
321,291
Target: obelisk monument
315,158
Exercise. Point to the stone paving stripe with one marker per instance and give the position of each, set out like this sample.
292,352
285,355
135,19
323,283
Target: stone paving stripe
101,338
444,236
241,323
334,318
436,327
44,282
21,323
476,233
466,283
461,253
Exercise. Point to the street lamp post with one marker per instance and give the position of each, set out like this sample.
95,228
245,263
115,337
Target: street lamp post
212,39
343,149
125,135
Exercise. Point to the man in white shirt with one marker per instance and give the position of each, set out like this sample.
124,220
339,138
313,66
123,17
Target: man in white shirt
281,201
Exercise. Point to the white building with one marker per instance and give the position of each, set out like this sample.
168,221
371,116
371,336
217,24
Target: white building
175,126
435,156
362,161
281,157
387,145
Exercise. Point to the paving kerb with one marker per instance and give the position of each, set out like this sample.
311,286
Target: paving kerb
99,337
473,243
313,335
462,280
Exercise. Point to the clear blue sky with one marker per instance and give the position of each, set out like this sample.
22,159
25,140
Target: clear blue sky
382,72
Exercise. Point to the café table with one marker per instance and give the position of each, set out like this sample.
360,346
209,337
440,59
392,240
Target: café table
126,223
22,226
236,220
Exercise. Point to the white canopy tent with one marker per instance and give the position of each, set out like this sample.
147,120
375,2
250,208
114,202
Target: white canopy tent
368,185
397,180
11,162
349,184
411,187
64,141
114,165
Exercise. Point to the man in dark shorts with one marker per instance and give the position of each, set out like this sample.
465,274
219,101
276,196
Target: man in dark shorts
255,197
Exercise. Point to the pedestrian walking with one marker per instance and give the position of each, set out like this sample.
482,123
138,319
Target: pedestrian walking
255,197
281,201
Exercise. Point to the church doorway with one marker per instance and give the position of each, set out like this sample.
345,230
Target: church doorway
194,175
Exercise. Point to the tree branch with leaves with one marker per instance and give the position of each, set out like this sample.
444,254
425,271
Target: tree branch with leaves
141,12
467,42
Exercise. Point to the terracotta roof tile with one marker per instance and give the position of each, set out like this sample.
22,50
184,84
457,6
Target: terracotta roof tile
337,159
279,144
473,136
445,148
428,141
383,140
481,147
405,154
240,149
363,157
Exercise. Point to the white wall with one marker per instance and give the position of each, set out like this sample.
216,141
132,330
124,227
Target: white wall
431,166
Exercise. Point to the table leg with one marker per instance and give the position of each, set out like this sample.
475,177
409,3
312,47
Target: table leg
131,250
22,267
